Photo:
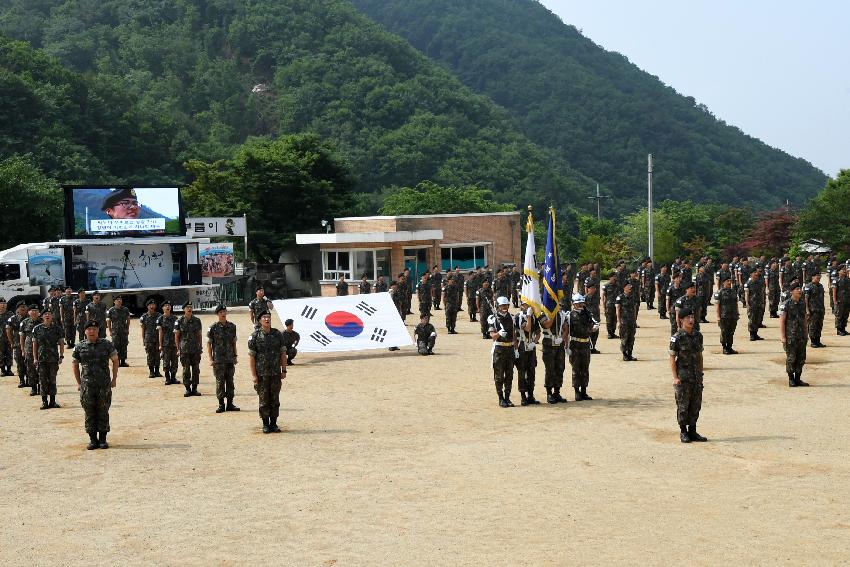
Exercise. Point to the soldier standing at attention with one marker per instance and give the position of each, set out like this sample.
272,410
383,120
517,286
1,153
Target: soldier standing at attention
54,303
27,326
341,286
690,300
66,316
793,323
451,300
94,355
459,281
5,341
773,289
841,299
501,328
48,350
221,350
188,334
381,285
686,364
291,338
609,301
576,335
662,282
260,304
726,301
528,333
423,293
118,323
626,317
398,300
471,296
516,285
754,299
425,335
591,301
484,306
268,368
80,318
502,284
815,308
96,311
167,345
13,334
554,355
365,286
648,283
436,282
150,338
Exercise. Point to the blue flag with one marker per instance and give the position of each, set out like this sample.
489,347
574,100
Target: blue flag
552,292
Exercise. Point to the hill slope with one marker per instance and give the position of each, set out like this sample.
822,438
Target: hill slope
396,116
595,107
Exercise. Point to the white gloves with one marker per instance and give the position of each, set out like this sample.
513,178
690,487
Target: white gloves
503,333
568,351
434,334
595,327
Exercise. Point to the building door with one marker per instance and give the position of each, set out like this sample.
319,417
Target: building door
416,260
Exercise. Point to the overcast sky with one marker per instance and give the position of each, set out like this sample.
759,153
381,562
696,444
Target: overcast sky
777,69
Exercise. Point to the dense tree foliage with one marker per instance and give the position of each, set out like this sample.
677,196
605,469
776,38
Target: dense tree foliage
595,107
218,71
771,234
286,186
31,201
428,198
826,216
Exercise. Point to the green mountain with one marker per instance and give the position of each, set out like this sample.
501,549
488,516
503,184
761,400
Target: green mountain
217,72
593,106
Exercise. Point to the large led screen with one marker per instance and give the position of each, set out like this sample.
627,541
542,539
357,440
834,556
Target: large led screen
123,211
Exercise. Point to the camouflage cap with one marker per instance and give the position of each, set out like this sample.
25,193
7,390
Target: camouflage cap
117,195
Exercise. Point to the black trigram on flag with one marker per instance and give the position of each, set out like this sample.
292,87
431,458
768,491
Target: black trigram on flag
366,308
309,312
320,338
378,335
526,279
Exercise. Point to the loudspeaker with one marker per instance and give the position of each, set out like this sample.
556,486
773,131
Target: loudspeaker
195,274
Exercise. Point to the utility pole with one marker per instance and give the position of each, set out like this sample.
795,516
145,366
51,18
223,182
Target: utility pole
649,208
598,198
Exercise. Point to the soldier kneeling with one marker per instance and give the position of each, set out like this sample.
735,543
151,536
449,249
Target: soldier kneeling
425,335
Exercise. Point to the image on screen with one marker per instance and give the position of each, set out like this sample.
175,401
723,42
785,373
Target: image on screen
125,211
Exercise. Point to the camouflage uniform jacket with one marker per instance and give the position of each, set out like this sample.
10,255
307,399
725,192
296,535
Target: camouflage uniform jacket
258,307
290,338
190,333
266,349
795,319
627,305
5,317
223,341
452,295
167,324
14,323
97,312
150,324
53,304
814,293
48,339
120,319
727,299
27,326
80,306
67,305
94,360
687,348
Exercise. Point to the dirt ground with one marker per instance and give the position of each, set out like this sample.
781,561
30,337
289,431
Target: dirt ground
396,459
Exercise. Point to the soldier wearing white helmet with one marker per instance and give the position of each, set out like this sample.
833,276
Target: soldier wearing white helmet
553,354
503,333
577,331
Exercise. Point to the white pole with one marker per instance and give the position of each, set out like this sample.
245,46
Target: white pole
245,260
598,204
649,208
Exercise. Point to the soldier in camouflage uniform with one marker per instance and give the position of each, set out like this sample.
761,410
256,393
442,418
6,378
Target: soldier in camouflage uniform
13,334
53,302
27,326
260,304
840,291
501,330
471,295
502,284
118,323
150,338
627,318
423,293
66,313
80,304
591,301
365,287
96,311
451,302
188,335
48,351
648,283
816,309
93,381
484,306
424,335
381,284
686,363
554,355
609,300
165,324
436,281
576,334
221,350
773,289
662,284
528,333
754,299
5,341
690,300
268,369
291,338
342,286
516,285
793,325
726,302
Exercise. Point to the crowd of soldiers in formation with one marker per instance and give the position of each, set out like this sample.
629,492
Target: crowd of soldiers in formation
787,289
35,338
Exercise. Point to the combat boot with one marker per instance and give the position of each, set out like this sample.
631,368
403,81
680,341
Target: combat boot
523,399
532,401
22,383
220,408
578,394
230,406
550,397
559,397
150,372
102,444
692,433
584,395
683,434
34,391
800,382
792,380
123,364
53,403
266,425
156,372
195,391
273,428
93,444
44,404
188,393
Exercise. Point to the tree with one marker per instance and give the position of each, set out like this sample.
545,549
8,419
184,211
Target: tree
771,235
285,186
428,198
826,216
32,199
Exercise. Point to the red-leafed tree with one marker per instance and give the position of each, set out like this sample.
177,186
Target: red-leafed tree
771,234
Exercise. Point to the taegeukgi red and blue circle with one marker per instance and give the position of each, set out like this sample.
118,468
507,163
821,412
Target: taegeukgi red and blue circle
344,324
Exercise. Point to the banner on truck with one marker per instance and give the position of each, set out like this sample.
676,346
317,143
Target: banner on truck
46,266
216,260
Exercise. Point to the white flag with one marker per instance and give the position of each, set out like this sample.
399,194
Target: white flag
348,322
530,292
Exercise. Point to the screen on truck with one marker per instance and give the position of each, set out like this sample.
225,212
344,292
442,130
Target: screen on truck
123,211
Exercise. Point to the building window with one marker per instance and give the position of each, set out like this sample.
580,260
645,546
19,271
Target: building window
306,269
354,263
464,257
335,264
382,264
364,263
